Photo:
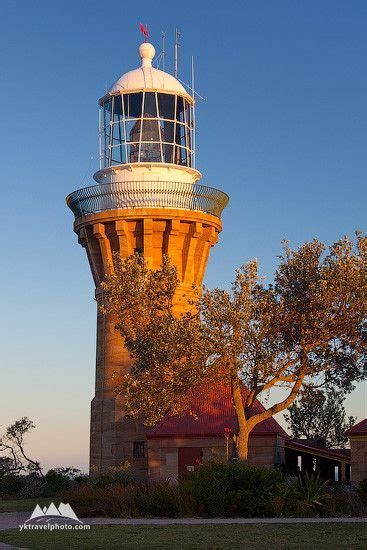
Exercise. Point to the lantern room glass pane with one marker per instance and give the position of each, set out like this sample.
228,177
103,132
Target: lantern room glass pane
117,138
167,131
107,110
150,152
180,134
180,156
117,108
188,114
150,106
180,109
133,130
107,113
118,154
133,105
166,106
150,130
133,152
167,152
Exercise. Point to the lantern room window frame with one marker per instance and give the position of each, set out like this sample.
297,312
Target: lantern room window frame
116,126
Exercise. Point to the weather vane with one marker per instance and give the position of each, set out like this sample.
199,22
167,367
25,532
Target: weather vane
144,30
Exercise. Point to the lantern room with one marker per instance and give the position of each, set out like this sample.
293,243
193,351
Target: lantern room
146,117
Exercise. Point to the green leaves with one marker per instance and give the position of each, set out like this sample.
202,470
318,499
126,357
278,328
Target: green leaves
319,414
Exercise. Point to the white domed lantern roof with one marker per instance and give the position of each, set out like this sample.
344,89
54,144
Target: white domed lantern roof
147,77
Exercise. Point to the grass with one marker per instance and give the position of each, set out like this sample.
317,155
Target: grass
24,505
279,536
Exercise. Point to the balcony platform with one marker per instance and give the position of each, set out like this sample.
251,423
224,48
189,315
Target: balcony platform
147,194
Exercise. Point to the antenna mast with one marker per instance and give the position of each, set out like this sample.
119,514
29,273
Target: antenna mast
193,113
177,45
163,48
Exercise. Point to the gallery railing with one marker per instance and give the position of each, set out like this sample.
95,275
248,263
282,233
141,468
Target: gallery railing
147,194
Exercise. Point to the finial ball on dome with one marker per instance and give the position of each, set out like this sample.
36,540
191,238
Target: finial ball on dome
147,52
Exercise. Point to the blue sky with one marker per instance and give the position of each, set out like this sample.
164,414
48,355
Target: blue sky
282,131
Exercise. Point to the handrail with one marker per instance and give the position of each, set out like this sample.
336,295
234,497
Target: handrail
147,194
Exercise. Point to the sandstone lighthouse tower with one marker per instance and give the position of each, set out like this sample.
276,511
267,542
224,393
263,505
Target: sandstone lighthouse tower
147,199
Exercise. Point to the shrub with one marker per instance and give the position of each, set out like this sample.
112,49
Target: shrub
302,496
116,501
158,500
11,484
232,489
121,501
311,495
111,478
34,487
215,489
115,475
86,500
362,490
155,499
56,481
346,501
218,489
59,479
185,501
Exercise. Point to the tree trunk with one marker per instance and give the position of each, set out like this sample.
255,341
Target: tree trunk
244,429
242,444
245,425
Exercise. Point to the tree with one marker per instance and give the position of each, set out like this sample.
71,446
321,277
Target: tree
12,444
59,479
320,415
8,466
168,350
309,325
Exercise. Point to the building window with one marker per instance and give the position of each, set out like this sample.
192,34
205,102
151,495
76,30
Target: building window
139,449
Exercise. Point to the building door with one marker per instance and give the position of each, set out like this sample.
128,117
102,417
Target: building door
189,458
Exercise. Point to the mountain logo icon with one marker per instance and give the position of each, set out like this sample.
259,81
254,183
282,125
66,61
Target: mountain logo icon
63,511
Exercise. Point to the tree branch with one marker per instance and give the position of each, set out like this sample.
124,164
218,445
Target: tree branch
278,407
18,466
280,377
34,462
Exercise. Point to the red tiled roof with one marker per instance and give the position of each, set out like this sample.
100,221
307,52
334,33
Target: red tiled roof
210,412
358,429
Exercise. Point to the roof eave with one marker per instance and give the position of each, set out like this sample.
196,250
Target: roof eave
107,96
208,435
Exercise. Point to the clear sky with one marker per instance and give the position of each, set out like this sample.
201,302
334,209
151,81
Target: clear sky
282,131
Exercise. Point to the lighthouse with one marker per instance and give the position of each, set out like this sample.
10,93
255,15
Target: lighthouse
147,198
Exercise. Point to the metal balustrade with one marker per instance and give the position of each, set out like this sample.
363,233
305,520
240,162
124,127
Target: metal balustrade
147,194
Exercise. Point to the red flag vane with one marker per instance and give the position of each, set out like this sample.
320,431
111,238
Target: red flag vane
144,30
